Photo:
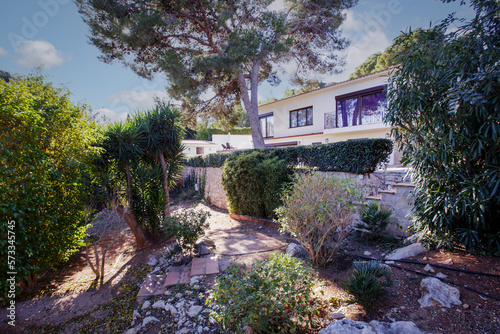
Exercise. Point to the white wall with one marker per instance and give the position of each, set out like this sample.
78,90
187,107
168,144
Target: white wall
240,142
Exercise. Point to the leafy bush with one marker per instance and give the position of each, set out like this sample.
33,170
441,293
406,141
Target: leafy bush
364,282
45,158
444,107
375,219
254,182
318,211
187,227
353,156
272,297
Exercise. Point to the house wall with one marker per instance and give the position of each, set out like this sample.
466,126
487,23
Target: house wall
323,101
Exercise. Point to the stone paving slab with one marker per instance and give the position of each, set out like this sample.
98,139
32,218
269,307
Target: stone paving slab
153,285
204,266
177,275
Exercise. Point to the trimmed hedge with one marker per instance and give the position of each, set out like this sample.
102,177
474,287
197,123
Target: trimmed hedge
235,131
353,156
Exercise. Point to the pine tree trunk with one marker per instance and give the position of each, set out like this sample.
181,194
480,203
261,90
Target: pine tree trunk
166,211
251,103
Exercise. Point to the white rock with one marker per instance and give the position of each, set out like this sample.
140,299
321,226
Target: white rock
199,329
194,310
196,287
441,275
146,304
295,250
180,303
195,280
348,326
147,320
178,295
152,260
159,304
183,331
438,293
389,262
429,268
136,315
132,330
448,262
367,253
337,316
405,252
171,308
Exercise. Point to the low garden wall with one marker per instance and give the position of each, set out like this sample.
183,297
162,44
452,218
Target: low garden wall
390,187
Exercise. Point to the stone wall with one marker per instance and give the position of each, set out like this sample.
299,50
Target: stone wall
212,177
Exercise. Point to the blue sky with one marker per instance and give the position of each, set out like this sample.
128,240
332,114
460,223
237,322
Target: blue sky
52,33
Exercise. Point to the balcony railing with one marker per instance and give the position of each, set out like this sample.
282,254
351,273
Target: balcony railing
330,120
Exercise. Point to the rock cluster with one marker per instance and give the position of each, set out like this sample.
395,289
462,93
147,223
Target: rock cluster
347,326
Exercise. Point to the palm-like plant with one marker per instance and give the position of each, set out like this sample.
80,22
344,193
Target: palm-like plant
161,136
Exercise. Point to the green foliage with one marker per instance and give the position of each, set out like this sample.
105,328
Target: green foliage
353,156
45,156
444,105
186,226
148,196
215,53
317,211
365,284
253,183
205,133
274,296
375,219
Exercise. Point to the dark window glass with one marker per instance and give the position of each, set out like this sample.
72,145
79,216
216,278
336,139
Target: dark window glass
366,108
267,126
301,117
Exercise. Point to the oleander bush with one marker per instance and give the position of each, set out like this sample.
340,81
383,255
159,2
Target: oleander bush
254,182
317,211
273,296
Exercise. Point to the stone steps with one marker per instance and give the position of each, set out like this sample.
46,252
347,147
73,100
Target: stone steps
155,285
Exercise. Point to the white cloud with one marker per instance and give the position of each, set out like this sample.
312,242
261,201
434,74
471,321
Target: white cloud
36,53
110,116
366,32
3,52
138,100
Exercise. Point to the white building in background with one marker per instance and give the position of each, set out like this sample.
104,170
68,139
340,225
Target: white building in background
194,147
352,109
236,142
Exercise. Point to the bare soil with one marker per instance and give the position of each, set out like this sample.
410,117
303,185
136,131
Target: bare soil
68,300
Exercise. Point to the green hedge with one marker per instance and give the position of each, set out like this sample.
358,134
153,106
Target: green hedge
353,156
235,131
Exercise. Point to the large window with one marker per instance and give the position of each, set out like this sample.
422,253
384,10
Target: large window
267,125
301,117
363,107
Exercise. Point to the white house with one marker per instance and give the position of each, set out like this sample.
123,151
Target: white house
352,109
193,147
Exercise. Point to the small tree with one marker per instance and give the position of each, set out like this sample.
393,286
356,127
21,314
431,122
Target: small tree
318,211
444,105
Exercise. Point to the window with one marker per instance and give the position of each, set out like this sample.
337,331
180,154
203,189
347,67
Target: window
267,125
301,117
363,107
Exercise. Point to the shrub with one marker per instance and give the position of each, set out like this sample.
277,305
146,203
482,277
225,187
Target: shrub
364,282
375,219
318,211
272,297
444,108
187,227
254,182
353,156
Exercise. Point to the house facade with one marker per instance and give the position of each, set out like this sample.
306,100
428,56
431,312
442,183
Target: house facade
352,109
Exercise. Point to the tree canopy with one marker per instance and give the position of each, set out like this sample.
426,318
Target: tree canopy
445,107
215,53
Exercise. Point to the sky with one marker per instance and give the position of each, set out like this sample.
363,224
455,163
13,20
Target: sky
51,33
